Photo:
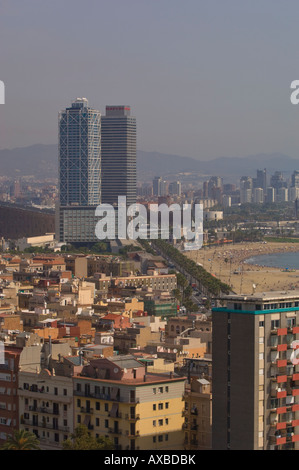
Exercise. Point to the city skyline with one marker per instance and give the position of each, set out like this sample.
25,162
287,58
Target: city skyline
216,67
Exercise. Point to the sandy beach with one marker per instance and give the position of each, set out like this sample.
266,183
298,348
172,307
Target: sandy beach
228,264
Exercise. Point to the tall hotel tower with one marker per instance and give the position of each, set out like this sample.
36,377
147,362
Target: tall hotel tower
118,155
79,172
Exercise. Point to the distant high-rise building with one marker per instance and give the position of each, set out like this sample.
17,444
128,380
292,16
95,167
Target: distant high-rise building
258,195
164,188
227,201
175,188
277,181
246,182
229,189
118,155
261,179
283,194
157,186
293,193
271,195
79,172
214,182
295,179
246,185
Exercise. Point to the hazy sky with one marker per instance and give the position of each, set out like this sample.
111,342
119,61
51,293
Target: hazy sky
205,78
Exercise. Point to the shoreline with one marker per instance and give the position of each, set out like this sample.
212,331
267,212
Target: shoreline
229,263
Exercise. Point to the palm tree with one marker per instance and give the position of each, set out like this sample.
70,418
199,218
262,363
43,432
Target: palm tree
21,440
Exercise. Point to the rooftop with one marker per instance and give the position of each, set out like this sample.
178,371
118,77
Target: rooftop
263,296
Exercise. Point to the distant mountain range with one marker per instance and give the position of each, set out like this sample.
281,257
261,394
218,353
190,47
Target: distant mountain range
41,161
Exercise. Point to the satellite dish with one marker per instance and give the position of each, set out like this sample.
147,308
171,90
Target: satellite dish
115,370
175,350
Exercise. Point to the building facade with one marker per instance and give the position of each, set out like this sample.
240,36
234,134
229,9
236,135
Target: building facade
79,172
118,155
46,407
256,372
115,397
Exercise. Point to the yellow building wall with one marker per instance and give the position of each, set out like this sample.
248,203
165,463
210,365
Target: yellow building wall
145,430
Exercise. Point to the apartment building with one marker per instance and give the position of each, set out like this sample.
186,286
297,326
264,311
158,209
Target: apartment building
46,407
24,354
9,419
198,415
116,397
134,337
256,372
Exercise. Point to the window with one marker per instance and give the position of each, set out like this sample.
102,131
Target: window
166,437
106,406
160,406
154,423
167,405
160,422
55,391
154,391
291,322
97,405
166,389
106,423
261,324
166,420
79,419
160,389
154,407
274,324
97,422
154,439
65,392
160,438
78,387
78,403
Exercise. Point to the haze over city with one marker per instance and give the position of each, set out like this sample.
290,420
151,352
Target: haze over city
205,79
149,228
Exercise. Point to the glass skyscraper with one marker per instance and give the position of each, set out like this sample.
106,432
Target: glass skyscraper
80,154
79,171
118,155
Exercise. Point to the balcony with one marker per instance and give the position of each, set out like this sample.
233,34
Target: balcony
44,395
115,431
117,416
102,396
83,409
43,410
36,424
129,434
132,417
